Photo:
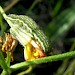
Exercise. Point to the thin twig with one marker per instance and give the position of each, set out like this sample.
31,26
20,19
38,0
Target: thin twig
11,5
32,6
43,60
26,71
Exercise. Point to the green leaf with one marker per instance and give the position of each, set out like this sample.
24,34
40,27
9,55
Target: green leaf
61,24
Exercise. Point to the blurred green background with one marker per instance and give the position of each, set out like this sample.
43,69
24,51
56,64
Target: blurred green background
57,19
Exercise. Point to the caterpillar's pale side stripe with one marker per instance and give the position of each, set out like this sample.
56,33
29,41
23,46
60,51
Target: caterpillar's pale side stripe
31,24
12,21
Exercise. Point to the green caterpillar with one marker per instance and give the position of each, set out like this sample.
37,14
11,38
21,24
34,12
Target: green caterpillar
29,26
23,28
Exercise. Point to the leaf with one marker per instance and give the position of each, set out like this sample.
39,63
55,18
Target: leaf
61,24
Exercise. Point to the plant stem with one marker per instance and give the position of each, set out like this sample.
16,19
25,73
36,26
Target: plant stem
43,60
73,46
8,58
3,63
2,25
26,71
32,6
11,5
62,68
70,68
57,7
3,13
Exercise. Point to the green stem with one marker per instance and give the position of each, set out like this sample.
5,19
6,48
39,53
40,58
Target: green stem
3,63
57,8
8,58
65,62
2,25
63,67
7,62
43,60
32,6
73,46
26,71
70,68
3,13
